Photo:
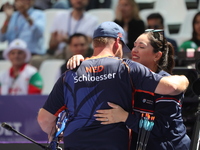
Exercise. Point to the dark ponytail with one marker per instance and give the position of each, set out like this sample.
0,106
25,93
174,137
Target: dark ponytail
166,62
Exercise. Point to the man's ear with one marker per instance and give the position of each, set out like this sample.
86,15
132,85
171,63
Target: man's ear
116,44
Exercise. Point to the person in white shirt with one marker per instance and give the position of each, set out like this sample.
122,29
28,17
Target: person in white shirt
66,23
21,78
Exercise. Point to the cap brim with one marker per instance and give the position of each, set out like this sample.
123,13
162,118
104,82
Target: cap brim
126,49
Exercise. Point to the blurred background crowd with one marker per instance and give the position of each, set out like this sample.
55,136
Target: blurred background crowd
37,37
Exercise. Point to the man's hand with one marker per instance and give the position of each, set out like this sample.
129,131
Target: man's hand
8,10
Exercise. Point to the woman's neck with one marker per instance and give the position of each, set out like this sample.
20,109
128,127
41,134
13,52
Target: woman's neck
127,19
153,68
126,26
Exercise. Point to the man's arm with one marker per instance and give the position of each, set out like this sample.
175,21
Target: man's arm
172,85
47,122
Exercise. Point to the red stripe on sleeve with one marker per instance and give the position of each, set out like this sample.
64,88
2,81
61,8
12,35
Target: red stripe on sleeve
137,90
60,110
146,110
34,90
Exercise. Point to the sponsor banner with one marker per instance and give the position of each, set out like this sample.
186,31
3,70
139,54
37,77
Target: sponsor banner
21,113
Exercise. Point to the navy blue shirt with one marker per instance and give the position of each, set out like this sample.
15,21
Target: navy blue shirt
87,89
169,132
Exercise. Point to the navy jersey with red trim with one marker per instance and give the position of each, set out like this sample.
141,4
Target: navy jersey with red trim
169,132
87,89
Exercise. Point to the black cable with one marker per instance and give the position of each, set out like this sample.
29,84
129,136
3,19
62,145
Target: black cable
8,127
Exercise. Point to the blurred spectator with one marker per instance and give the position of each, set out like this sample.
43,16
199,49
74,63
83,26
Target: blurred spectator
42,4
156,21
26,23
77,44
127,16
194,42
73,21
21,78
47,4
188,44
7,5
94,4
61,4
65,24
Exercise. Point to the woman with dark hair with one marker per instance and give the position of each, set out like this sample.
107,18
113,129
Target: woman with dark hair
196,29
169,133
127,16
194,42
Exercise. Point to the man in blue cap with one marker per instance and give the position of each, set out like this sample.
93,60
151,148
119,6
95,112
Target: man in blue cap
101,79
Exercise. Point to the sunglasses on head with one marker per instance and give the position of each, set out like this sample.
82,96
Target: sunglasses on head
154,30
156,35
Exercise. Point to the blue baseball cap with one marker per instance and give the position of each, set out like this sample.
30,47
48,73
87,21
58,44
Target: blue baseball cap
111,29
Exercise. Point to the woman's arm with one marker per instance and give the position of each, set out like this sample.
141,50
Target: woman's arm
118,114
74,61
